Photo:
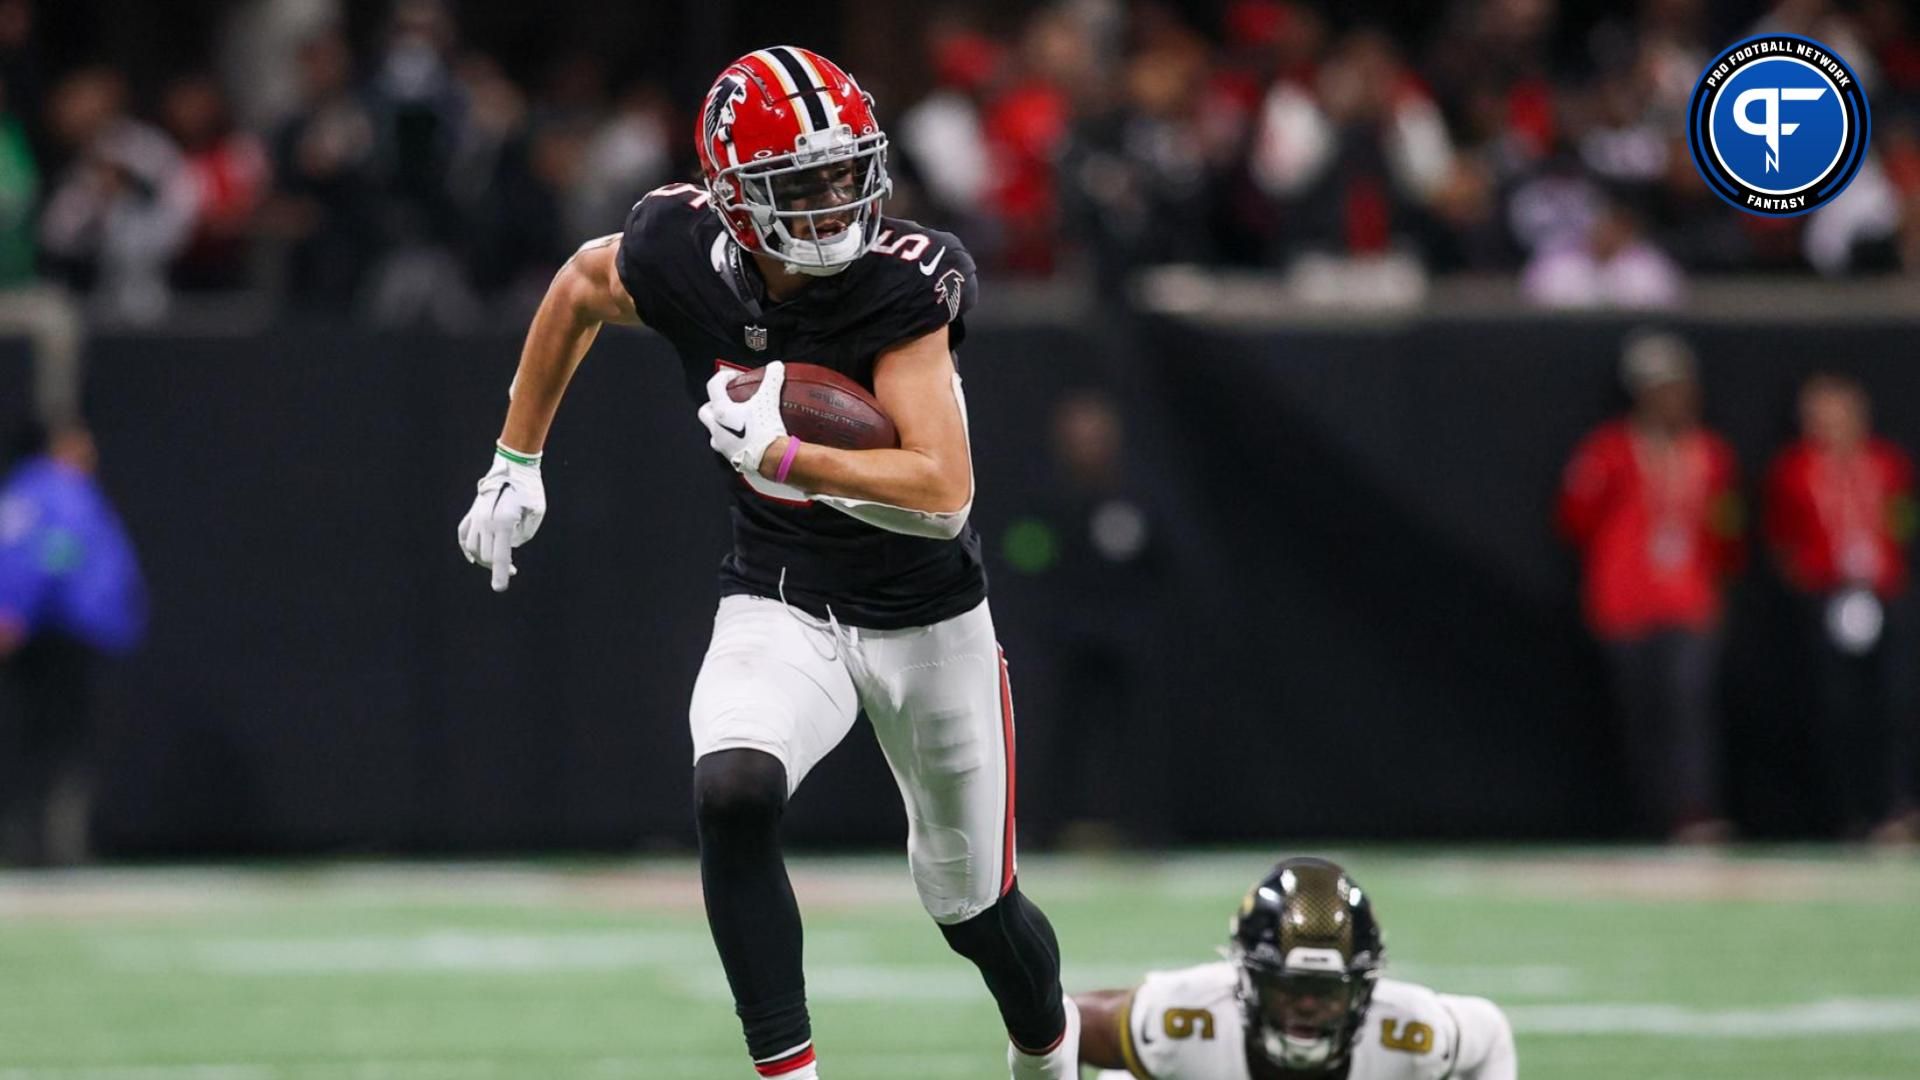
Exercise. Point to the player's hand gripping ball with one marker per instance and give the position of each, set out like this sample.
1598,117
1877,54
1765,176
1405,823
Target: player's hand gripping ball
821,406
740,430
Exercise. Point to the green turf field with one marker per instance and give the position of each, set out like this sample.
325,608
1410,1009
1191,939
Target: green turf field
1612,964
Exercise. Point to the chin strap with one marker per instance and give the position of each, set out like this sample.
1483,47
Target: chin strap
849,240
818,271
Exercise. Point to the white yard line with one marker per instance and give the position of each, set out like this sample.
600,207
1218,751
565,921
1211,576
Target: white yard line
940,1064
882,882
434,951
1837,1016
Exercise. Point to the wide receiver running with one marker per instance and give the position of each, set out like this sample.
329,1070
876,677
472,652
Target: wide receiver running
1300,995
855,583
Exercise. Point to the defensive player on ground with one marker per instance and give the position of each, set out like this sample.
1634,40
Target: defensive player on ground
1300,995
854,582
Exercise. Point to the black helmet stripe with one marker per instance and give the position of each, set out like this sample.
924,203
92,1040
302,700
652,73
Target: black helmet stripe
808,91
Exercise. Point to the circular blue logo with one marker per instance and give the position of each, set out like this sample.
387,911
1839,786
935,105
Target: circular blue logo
1778,125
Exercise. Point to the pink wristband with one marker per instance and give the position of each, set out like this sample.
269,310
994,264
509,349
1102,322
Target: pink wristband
786,460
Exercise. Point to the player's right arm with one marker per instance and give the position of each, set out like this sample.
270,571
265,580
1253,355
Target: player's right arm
586,294
1106,1034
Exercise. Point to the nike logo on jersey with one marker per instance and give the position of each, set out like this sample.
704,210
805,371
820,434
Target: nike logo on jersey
928,268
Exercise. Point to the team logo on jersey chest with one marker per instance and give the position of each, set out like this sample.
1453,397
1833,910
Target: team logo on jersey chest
1778,125
757,338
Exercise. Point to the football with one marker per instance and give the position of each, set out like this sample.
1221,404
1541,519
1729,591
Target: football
822,406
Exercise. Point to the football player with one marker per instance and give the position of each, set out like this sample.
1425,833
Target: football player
1300,995
854,583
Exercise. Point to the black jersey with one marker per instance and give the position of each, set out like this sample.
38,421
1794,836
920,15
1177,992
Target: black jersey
693,284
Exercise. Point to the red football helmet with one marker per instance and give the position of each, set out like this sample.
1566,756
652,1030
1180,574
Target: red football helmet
795,163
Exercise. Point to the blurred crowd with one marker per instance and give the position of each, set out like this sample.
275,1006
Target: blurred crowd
412,184
411,179
1496,136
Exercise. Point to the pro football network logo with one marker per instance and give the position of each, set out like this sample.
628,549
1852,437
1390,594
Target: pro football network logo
1778,125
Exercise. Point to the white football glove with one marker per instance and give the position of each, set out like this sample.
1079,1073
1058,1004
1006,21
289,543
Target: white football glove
742,430
505,514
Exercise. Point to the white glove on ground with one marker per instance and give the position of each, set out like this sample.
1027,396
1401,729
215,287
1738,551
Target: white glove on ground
505,514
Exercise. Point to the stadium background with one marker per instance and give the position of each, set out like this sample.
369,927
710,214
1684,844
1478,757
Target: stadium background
1358,628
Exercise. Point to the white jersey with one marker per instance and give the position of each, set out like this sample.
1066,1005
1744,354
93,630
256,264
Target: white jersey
1188,1025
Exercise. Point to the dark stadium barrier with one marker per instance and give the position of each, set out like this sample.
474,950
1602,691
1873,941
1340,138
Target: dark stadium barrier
1365,627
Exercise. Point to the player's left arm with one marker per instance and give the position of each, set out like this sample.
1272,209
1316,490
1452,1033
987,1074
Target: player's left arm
1484,1050
931,472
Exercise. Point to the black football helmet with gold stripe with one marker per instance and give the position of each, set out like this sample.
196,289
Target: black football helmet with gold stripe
1309,953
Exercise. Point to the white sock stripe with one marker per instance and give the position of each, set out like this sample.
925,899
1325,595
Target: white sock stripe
784,1054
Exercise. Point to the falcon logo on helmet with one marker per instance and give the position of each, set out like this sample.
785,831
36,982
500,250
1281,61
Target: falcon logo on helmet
793,159
731,90
1309,953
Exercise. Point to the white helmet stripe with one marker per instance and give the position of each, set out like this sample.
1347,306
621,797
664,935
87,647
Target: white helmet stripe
819,80
784,75
806,83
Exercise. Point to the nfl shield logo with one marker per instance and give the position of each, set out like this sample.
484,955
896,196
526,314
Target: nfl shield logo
756,338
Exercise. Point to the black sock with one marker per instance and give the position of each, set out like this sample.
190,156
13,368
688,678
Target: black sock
1013,945
739,796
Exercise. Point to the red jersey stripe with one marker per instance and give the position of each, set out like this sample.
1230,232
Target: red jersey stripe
1006,726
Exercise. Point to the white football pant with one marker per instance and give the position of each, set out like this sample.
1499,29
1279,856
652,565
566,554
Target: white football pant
777,680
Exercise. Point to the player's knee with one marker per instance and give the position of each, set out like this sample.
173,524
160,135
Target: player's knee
975,937
948,877
1013,946
736,790
1012,925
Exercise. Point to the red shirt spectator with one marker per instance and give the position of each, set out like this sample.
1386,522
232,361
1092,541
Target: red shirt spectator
230,176
1024,127
1836,519
1656,522
1650,501
1839,501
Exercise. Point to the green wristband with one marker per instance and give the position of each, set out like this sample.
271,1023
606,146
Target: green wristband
516,456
